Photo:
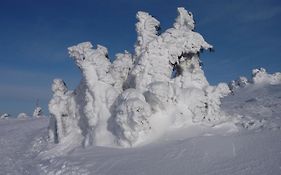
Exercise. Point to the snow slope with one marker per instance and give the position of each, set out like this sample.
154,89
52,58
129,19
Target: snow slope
223,149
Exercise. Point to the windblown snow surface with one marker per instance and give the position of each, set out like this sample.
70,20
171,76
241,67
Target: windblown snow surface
253,147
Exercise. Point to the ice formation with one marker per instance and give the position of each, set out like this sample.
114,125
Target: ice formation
124,102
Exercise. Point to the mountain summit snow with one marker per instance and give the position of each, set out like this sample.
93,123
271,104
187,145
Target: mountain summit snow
140,95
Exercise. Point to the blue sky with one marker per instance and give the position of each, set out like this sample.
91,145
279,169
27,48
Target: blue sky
34,36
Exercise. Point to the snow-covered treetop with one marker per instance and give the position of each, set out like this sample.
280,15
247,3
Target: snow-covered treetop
147,30
171,47
184,20
84,52
92,61
59,87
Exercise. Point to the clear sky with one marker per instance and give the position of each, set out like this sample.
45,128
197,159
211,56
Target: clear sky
35,34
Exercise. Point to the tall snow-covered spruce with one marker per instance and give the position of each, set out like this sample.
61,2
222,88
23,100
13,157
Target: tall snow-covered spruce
138,96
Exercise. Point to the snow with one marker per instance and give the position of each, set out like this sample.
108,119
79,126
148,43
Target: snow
151,112
22,115
259,76
20,143
38,112
4,116
227,148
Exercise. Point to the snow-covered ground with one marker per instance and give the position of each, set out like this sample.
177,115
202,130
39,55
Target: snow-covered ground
249,148
21,141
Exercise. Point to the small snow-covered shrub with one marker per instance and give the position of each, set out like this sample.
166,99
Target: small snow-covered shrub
4,116
22,116
259,77
38,112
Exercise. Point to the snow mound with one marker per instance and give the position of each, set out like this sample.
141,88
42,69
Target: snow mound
5,116
22,116
138,96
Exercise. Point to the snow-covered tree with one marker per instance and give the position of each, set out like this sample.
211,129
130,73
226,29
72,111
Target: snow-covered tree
99,91
59,108
259,76
120,102
38,112
5,116
147,30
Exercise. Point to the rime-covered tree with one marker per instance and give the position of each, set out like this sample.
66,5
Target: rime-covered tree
121,102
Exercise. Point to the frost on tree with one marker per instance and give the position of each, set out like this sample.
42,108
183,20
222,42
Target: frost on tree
259,76
38,112
124,103
241,82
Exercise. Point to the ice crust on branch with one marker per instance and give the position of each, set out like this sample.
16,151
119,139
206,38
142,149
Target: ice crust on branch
161,86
